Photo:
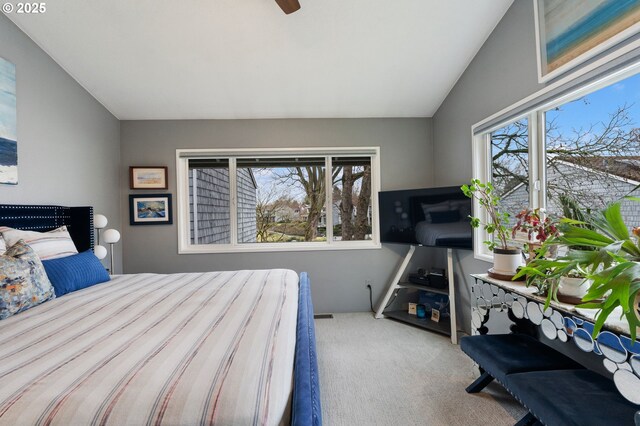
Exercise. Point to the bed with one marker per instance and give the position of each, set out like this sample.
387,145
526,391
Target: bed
228,348
450,230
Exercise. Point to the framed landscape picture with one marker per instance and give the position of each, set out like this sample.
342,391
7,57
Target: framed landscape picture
569,33
150,209
143,177
8,128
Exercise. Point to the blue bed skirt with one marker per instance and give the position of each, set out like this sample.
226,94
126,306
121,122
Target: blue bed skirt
306,409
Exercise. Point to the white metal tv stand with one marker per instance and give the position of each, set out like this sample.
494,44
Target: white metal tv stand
396,284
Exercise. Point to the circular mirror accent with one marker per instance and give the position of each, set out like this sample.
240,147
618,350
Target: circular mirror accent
549,329
583,339
508,299
476,318
562,336
546,312
494,289
611,347
483,306
476,289
635,364
501,294
495,302
628,385
611,366
558,320
570,326
534,312
625,366
596,348
486,291
517,309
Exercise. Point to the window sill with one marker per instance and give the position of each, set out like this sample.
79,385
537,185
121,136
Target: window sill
277,247
483,256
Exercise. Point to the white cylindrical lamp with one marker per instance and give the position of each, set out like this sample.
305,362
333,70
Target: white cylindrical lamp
99,222
100,252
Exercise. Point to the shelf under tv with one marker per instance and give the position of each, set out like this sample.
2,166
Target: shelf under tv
443,327
404,284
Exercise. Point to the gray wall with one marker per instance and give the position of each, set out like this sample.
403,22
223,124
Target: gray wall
502,73
337,276
68,143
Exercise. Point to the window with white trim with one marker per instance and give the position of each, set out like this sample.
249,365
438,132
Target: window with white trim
577,152
277,199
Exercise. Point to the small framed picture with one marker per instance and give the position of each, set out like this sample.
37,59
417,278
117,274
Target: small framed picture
142,177
435,315
150,209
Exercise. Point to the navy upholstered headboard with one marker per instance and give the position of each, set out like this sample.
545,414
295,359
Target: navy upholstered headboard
79,221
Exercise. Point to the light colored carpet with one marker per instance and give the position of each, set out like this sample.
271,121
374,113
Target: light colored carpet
382,372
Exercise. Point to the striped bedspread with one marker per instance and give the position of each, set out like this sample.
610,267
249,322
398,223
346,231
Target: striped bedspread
147,349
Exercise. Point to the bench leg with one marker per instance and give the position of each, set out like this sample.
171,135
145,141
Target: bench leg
527,420
480,383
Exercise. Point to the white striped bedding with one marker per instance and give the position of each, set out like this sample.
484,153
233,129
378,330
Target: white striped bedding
147,349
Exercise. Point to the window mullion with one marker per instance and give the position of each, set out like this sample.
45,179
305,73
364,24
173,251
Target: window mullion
329,198
487,171
541,161
534,154
233,201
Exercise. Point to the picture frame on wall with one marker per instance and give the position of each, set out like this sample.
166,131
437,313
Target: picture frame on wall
569,33
148,177
8,124
150,209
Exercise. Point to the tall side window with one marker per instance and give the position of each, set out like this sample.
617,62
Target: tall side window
280,199
510,165
592,150
571,155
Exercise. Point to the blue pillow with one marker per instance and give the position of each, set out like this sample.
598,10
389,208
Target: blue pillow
75,272
445,217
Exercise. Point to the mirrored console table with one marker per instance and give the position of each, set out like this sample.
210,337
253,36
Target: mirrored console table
561,321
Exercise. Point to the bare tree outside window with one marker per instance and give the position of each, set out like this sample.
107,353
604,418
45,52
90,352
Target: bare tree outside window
592,153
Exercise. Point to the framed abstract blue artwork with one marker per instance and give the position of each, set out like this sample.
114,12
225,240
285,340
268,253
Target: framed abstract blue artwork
8,127
568,33
150,209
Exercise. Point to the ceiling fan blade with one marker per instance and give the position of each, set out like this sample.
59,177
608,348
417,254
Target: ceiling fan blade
288,6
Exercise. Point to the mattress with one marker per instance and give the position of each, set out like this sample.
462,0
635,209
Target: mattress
433,234
148,349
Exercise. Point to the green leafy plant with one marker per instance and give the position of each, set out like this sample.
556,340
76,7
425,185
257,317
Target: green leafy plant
606,253
487,197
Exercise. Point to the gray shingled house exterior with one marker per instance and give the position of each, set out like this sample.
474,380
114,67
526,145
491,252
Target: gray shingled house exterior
594,182
211,206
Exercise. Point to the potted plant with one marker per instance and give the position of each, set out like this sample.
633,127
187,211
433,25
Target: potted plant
506,258
538,227
603,249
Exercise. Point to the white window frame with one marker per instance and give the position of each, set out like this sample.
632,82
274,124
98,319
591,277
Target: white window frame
481,145
182,181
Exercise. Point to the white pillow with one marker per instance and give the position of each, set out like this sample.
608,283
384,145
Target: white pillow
3,246
47,245
464,206
444,206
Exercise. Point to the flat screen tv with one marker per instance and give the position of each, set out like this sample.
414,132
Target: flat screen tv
435,217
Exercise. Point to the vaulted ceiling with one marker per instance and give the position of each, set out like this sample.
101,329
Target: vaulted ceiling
188,59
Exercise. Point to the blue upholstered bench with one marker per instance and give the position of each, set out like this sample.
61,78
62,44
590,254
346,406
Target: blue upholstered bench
571,397
498,355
